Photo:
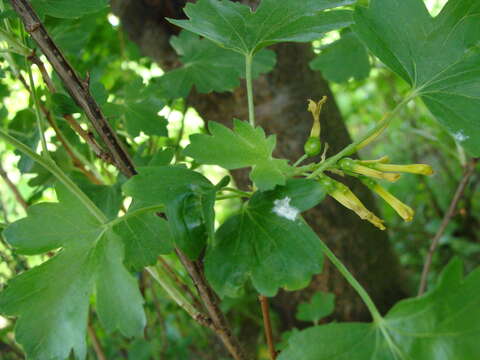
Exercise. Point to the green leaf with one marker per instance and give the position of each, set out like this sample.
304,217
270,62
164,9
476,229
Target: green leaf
438,57
72,35
236,27
139,111
68,9
52,300
443,324
188,198
163,157
245,146
343,60
320,306
145,236
208,67
268,243
64,105
119,301
107,198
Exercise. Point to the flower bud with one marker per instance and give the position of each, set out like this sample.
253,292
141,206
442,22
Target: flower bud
347,198
405,211
348,164
422,169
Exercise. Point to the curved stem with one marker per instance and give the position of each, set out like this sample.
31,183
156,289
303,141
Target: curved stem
300,160
58,173
41,129
248,76
377,318
352,148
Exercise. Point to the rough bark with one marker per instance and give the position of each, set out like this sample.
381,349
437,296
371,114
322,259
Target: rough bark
281,99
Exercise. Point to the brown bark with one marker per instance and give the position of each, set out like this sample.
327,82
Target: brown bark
281,99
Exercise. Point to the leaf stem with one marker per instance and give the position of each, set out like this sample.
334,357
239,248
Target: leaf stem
377,318
49,165
352,148
248,76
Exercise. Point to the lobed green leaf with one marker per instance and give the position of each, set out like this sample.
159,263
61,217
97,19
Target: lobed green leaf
236,27
208,67
245,146
438,57
188,198
441,325
268,243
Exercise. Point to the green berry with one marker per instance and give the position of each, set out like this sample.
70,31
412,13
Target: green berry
313,146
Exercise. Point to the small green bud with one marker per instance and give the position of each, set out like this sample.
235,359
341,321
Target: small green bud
313,146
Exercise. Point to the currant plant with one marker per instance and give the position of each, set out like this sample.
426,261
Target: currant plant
100,237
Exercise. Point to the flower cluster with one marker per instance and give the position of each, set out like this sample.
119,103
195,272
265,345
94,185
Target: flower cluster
367,171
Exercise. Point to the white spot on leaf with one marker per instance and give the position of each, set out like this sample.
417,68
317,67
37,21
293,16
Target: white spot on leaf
460,136
283,209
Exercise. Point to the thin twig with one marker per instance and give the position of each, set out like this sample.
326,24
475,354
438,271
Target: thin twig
267,326
6,347
97,347
33,58
210,301
13,188
470,169
78,89
48,81
87,137
180,282
66,145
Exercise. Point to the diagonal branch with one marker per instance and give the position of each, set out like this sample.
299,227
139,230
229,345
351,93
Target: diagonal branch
469,171
76,87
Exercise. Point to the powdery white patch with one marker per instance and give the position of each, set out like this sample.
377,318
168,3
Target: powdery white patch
460,136
283,209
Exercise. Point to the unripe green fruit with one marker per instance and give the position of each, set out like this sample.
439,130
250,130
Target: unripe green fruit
313,146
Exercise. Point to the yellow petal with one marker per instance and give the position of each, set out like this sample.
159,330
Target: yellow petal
347,198
422,169
316,109
405,211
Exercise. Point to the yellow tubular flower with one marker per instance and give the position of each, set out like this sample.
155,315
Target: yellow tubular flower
421,169
350,165
347,198
405,211
316,109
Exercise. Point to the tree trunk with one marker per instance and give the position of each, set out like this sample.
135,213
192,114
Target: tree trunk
281,109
